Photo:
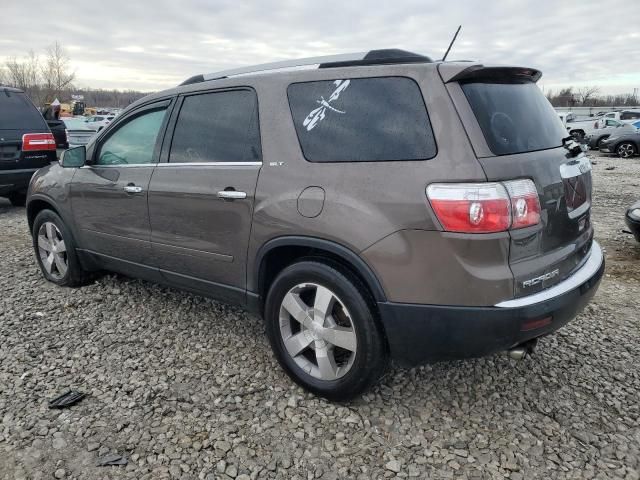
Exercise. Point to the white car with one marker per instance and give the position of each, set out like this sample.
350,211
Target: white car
98,122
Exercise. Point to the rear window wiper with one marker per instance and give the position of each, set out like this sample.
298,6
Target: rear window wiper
573,150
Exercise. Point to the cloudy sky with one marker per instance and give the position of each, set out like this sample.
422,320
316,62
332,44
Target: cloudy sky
154,44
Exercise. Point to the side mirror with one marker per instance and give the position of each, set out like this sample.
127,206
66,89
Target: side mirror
74,157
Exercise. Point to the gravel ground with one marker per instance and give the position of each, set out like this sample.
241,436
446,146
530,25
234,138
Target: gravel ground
185,387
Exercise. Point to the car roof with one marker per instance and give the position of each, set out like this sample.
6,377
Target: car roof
11,89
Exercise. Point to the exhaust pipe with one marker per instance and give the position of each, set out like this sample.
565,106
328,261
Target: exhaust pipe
519,352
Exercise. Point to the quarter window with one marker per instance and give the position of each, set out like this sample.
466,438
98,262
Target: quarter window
361,119
217,127
134,142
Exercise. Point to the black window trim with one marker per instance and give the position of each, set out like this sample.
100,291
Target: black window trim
435,142
171,129
166,104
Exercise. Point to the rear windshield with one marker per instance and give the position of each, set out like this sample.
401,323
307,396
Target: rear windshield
514,117
361,120
17,112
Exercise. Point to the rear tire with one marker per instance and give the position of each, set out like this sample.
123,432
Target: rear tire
332,344
55,251
18,199
626,150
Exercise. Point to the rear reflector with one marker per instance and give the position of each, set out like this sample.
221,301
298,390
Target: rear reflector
485,207
33,142
536,324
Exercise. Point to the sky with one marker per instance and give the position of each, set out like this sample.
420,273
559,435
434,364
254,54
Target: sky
151,45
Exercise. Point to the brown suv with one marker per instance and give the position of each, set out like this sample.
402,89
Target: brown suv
369,206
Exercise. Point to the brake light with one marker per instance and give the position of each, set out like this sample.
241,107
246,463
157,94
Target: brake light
471,207
33,142
485,207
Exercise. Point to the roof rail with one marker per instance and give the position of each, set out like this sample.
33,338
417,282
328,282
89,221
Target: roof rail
374,57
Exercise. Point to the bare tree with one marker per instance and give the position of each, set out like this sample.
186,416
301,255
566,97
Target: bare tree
56,73
586,94
24,73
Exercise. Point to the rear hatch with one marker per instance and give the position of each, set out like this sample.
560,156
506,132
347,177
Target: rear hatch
19,116
517,134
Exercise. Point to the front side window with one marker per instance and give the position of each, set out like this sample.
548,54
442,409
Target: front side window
217,127
361,119
133,143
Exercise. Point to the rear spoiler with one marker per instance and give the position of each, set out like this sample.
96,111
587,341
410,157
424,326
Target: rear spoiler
497,74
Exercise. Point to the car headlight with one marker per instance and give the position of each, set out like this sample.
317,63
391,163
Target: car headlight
635,214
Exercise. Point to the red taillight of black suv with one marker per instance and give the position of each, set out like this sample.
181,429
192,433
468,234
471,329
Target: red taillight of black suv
35,142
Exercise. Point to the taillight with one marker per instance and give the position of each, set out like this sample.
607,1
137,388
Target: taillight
485,207
525,205
32,142
471,207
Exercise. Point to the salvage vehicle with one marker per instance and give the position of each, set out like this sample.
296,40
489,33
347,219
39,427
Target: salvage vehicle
625,144
371,207
77,132
26,144
611,127
632,219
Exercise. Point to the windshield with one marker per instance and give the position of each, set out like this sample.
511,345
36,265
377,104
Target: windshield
514,117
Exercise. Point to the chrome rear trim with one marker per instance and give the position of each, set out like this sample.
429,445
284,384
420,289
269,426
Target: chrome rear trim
588,270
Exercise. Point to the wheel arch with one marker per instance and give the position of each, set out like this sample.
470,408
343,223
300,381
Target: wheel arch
278,253
38,203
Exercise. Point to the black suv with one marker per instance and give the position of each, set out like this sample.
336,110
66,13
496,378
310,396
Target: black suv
26,144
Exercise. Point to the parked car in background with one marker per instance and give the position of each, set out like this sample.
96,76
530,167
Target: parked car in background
78,132
625,144
612,127
26,143
627,116
577,127
98,122
473,235
632,219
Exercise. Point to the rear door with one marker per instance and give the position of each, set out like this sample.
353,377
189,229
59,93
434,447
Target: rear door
516,134
201,198
109,196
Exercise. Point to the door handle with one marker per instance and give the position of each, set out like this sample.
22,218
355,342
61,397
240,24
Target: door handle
132,189
232,195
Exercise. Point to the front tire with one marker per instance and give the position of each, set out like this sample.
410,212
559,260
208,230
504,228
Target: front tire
626,150
324,330
55,251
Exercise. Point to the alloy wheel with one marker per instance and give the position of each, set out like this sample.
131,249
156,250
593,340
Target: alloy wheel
318,331
52,250
626,150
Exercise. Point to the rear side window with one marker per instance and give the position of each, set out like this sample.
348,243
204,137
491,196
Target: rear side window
361,119
17,112
514,117
629,115
217,127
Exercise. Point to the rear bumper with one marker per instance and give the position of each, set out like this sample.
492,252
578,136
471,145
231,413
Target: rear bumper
632,221
15,180
424,333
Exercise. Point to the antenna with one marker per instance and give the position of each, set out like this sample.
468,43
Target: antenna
451,44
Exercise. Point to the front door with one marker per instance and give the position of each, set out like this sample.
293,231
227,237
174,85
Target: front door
109,194
201,199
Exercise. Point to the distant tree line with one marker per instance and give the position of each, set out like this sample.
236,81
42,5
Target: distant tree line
49,76
590,97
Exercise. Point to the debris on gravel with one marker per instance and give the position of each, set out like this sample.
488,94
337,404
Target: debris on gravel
187,388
